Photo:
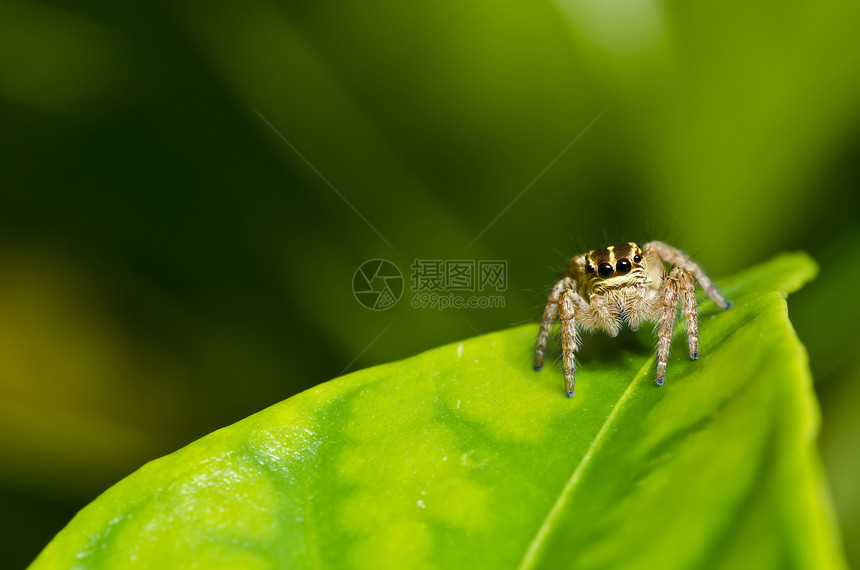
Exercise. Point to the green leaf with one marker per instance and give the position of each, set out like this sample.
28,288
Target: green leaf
465,457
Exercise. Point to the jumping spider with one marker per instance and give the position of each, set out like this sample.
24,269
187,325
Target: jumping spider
605,288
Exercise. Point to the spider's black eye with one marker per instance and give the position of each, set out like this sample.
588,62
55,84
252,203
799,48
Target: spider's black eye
605,270
623,266
589,269
637,258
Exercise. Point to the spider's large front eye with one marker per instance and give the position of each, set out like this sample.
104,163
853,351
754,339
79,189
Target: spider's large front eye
623,266
605,270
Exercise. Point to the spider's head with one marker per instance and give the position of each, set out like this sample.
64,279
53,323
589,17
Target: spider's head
615,266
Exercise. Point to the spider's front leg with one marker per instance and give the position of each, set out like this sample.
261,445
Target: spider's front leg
546,322
688,299
563,301
678,282
677,258
569,336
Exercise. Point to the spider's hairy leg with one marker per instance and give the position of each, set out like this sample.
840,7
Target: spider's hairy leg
678,258
669,294
548,319
688,299
569,336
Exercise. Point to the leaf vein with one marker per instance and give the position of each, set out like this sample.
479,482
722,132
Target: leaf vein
530,558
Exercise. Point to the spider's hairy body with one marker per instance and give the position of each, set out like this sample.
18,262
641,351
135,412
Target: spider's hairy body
625,284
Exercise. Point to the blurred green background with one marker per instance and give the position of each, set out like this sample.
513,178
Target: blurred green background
186,189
